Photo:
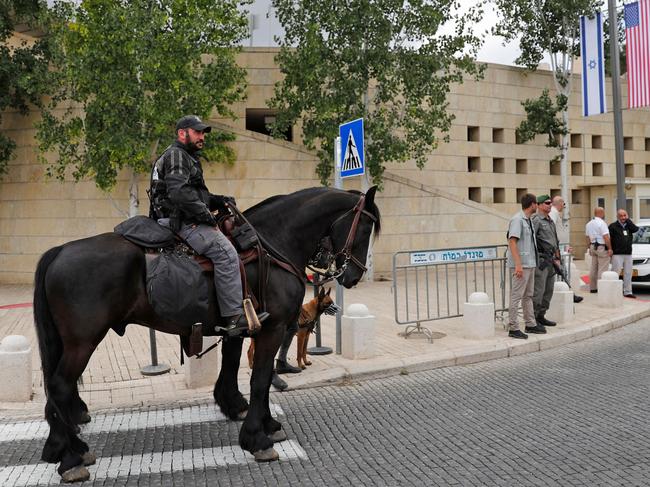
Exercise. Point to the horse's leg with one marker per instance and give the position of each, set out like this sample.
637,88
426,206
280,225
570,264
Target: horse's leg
258,425
226,391
61,411
81,414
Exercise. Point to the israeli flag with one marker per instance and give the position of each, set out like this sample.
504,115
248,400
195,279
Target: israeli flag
593,65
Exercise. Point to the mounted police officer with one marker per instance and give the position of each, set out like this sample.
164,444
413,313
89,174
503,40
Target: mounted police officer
181,200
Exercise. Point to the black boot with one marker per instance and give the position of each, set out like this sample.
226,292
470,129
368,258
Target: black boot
541,320
237,325
278,382
283,367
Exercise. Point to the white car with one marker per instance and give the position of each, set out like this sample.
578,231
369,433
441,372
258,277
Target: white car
641,255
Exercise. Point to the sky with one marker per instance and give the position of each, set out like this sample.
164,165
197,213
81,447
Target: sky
493,49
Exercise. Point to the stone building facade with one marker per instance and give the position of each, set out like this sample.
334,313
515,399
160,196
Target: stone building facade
463,197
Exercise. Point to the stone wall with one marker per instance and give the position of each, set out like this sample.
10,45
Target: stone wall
464,196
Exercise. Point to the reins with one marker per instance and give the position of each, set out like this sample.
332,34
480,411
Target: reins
346,251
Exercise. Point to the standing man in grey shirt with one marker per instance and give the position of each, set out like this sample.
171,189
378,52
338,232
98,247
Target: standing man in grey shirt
522,261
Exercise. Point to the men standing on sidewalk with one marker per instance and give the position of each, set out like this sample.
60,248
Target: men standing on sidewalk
562,230
522,261
600,247
548,250
621,235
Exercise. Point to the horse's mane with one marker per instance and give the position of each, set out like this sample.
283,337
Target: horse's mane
304,194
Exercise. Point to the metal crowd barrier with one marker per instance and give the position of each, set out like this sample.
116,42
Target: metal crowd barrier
432,285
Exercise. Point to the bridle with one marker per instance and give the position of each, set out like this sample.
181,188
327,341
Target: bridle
325,253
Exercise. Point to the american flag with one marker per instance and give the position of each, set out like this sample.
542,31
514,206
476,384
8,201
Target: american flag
637,35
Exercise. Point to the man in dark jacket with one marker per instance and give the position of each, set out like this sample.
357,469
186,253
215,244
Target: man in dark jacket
621,236
181,200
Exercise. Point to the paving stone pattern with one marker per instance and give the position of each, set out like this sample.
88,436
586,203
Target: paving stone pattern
574,415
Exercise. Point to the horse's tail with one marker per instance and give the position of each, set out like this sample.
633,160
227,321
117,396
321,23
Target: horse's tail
49,339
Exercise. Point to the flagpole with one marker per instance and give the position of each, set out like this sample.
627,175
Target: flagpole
616,95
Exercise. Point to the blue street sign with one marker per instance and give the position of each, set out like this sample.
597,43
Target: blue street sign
352,161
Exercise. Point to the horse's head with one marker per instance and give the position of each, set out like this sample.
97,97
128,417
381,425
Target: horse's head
350,236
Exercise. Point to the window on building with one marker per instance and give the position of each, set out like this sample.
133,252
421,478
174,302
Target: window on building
556,192
259,119
647,143
629,170
600,202
576,168
628,143
576,140
473,134
647,170
577,196
554,168
499,165
497,136
629,207
597,169
499,195
520,193
596,141
474,194
521,166
473,164
644,208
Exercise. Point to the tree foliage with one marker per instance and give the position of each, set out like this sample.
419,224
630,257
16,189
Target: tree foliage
124,72
541,118
546,27
384,60
21,67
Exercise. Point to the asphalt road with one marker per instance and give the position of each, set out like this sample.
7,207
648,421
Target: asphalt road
575,415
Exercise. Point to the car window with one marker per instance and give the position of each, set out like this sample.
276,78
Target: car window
642,236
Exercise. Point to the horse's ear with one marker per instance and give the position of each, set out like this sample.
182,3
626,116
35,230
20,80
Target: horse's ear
329,291
321,293
370,195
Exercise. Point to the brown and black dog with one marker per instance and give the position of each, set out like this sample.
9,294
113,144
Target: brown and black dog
309,314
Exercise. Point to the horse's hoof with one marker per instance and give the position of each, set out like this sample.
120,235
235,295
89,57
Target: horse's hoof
241,415
307,363
84,417
278,436
268,455
89,458
76,474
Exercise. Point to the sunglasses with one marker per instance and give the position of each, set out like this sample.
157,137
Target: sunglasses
547,202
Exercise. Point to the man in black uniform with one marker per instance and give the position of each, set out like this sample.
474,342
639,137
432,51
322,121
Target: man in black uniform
181,200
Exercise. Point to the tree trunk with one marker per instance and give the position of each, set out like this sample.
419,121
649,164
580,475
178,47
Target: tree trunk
134,201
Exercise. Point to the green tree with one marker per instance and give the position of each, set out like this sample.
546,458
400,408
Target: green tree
21,66
551,28
123,72
387,61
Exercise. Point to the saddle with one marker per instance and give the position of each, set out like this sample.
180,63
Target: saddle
156,239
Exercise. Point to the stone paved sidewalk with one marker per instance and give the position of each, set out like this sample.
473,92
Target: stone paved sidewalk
113,376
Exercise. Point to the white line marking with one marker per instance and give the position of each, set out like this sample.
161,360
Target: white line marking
147,463
107,423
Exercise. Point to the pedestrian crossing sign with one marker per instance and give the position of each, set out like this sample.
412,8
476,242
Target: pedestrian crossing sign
352,161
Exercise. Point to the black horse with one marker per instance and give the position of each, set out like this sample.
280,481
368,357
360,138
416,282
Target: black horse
86,287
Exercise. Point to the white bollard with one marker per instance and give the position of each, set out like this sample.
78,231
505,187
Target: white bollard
610,290
561,307
358,333
15,369
478,317
576,281
587,260
204,371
